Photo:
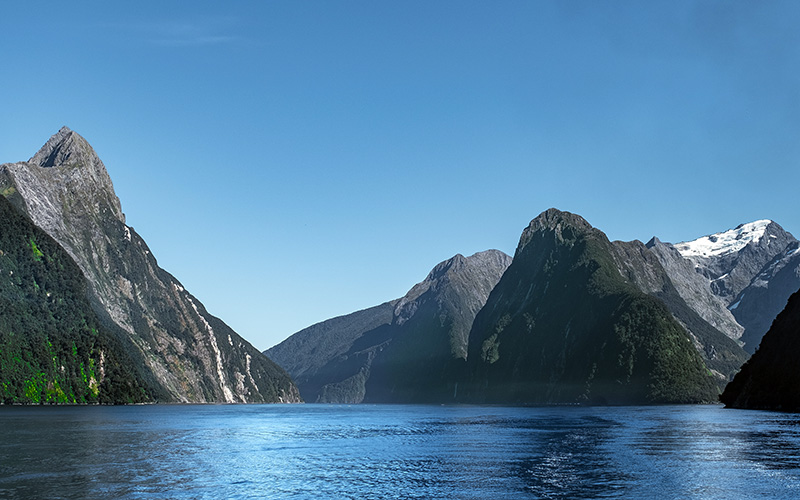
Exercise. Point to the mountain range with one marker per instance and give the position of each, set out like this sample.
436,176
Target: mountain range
187,354
88,316
574,318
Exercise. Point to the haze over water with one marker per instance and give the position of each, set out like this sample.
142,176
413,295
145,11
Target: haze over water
316,451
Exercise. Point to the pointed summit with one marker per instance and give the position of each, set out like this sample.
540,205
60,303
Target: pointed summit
65,147
564,225
66,191
66,169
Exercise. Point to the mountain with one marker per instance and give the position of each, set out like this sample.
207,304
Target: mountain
408,350
330,361
195,357
642,266
695,289
752,269
569,323
770,380
53,347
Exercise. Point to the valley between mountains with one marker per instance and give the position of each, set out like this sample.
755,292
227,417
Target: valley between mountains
88,316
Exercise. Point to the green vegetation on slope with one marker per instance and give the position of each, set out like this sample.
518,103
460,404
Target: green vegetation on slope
563,326
53,348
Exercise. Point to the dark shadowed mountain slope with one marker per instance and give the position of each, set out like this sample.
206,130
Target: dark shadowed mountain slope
408,350
65,189
53,347
770,380
758,304
564,326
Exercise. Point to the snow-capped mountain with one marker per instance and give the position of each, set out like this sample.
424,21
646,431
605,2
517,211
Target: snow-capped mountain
753,269
725,243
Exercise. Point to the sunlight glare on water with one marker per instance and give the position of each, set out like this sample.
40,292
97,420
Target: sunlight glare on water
371,452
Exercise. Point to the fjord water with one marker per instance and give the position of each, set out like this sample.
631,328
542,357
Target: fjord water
329,451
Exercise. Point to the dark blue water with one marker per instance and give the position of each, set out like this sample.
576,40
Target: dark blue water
314,451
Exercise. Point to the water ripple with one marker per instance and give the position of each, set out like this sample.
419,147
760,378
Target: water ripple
376,452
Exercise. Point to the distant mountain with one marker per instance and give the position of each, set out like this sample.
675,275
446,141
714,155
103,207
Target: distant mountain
770,380
752,270
569,322
408,350
330,361
575,318
194,357
53,347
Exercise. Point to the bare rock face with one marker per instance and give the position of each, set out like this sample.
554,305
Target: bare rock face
695,289
65,189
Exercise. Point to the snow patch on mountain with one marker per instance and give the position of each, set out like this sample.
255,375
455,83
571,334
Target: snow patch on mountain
724,243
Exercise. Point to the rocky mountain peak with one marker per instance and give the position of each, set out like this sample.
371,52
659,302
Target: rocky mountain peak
66,191
552,219
564,225
458,271
458,263
65,147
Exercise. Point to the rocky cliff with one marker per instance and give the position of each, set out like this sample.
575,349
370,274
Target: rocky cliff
65,190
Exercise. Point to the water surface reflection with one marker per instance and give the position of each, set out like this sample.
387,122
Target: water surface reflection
319,451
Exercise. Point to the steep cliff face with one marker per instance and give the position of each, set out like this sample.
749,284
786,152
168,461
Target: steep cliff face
408,350
65,189
53,347
695,289
564,325
770,380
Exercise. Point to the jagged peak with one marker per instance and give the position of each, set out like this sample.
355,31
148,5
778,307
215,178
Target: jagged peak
65,147
654,241
458,262
443,272
70,160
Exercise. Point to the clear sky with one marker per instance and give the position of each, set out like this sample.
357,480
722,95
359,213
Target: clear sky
291,161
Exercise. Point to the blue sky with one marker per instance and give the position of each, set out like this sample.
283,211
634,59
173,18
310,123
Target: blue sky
294,161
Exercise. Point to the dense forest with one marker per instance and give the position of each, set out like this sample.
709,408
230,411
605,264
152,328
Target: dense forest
53,347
